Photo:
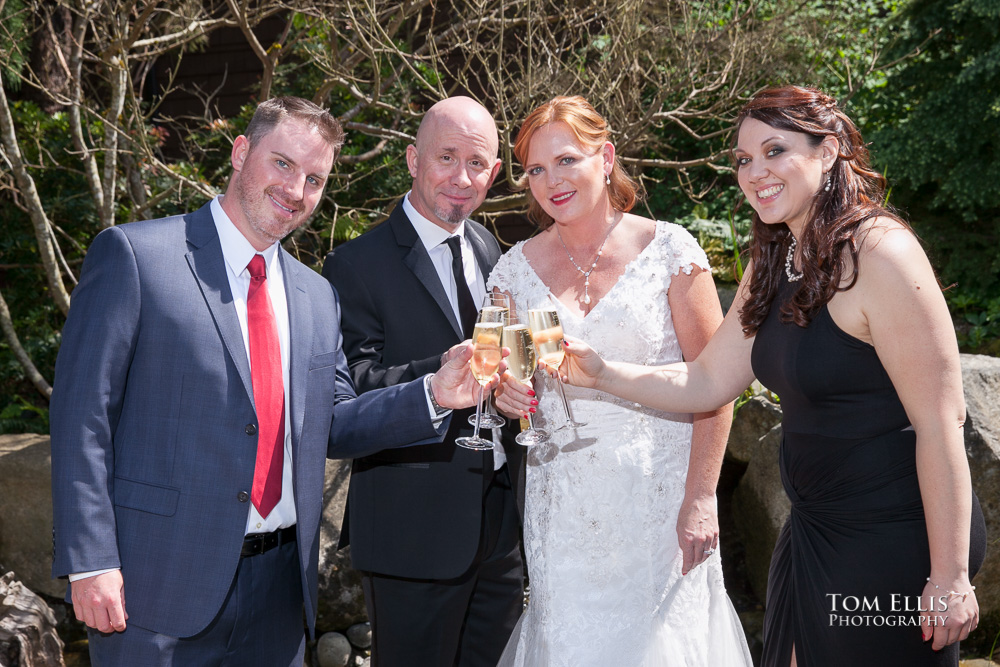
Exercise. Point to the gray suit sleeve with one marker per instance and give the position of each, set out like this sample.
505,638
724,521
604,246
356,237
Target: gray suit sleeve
98,341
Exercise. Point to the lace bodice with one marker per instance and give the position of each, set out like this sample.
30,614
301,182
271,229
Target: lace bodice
601,501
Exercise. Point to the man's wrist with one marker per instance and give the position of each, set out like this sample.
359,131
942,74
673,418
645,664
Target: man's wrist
439,410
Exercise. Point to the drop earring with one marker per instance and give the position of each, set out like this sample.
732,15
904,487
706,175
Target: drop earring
607,179
826,188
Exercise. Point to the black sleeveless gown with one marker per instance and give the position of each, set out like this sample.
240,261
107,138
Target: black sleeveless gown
853,558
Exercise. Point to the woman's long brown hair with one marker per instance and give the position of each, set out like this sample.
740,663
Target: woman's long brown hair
829,243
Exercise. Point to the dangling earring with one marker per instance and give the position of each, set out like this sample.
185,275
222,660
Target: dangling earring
607,179
826,188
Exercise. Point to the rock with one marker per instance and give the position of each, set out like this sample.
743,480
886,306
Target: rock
761,508
341,599
333,650
981,381
27,628
360,635
752,422
26,511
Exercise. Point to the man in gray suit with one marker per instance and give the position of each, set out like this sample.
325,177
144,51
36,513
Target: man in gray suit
199,387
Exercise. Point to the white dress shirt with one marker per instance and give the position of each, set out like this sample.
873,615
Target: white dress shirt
237,252
435,240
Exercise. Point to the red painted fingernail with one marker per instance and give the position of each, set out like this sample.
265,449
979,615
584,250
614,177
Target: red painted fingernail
532,410
566,343
531,392
534,402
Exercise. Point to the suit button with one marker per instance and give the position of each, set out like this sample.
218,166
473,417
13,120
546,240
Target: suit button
250,429
242,496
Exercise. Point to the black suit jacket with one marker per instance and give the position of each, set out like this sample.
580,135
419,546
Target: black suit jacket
415,512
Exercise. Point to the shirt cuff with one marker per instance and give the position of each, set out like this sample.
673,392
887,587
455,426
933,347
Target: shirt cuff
84,575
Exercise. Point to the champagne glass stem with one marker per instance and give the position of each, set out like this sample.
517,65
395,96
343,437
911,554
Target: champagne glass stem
570,422
562,395
479,412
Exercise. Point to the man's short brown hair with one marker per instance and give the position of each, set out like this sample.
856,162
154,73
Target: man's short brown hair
273,111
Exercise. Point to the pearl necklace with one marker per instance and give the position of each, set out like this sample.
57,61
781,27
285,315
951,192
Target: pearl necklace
586,274
792,276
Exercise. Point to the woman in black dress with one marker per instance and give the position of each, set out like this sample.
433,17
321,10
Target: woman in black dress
840,313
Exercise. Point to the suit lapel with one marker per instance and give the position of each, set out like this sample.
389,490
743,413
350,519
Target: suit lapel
300,326
209,269
417,260
485,260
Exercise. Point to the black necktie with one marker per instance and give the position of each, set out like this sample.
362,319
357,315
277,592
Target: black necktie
466,306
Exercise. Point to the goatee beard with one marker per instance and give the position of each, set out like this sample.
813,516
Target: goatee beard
454,215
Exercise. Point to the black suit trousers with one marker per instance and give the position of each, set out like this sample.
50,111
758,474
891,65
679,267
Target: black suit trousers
457,622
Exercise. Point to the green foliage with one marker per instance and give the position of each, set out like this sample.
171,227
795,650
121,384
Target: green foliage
937,114
723,240
14,31
933,126
21,416
977,321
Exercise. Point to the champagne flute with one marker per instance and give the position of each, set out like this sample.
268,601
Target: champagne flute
521,364
485,362
548,335
495,309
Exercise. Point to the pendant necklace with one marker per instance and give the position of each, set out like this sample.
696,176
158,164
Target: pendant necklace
600,250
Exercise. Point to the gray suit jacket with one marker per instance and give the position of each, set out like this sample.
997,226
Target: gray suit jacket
153,424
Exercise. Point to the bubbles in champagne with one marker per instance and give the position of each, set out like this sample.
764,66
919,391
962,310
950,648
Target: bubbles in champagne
521,361
494,314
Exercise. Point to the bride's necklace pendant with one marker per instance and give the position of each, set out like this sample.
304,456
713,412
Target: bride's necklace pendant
792,276
586,274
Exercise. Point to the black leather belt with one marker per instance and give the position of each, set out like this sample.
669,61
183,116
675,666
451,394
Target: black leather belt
258,543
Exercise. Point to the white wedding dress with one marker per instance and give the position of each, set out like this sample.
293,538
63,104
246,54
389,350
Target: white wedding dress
601,502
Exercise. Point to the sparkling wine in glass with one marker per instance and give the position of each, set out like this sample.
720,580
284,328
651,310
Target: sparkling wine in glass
495,308
485,362
548,335
521,364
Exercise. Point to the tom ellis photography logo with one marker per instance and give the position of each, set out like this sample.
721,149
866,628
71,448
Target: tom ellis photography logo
892,611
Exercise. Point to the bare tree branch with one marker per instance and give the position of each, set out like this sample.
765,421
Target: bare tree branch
36,209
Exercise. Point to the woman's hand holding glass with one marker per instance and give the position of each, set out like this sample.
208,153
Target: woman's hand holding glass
515,398
580,365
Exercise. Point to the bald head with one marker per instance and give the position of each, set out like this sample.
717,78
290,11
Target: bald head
460,113
453,161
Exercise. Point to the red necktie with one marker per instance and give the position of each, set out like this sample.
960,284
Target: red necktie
268,390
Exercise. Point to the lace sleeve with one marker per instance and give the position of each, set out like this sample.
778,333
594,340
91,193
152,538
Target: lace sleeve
503,274
684,251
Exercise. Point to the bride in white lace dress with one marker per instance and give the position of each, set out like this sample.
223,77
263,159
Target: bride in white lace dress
620,526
